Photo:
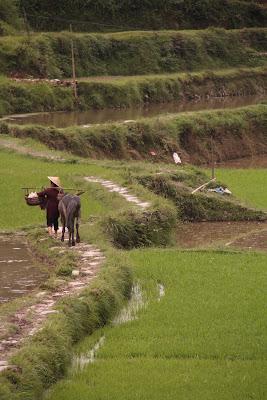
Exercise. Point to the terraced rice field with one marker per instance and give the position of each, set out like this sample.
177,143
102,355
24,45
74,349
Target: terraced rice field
194,328
205,338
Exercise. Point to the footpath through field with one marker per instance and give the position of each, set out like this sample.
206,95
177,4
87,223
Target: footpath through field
30,319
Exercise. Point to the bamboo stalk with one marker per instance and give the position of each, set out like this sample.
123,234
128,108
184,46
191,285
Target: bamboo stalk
202,186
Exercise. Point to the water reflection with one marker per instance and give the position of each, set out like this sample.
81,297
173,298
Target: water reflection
18,275
70,118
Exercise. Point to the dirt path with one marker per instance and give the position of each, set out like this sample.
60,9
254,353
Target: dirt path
113,187
29,320
21,149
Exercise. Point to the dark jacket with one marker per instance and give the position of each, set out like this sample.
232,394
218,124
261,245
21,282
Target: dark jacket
50,195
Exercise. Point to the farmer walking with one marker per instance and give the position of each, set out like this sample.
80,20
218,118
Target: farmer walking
50,196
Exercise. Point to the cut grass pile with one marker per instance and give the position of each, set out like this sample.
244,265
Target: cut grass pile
132,53
205,339
199,206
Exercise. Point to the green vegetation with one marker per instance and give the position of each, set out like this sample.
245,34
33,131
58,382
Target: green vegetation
9,17
204,339
197,207
247,184
216,346
200,333
236,133
18,171
136,14
132,53
127,227
22,97
45,356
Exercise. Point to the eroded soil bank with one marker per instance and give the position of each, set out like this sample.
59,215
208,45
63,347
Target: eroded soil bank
18,271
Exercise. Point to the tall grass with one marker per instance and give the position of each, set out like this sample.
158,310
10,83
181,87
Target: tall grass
132,53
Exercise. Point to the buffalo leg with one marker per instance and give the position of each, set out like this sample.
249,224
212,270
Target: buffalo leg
78,239
63,229
72,234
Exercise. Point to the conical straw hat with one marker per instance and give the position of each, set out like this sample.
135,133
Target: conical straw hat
54,179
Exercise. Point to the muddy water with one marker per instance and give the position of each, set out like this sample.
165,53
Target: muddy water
245,163
243,235
65,119
18,275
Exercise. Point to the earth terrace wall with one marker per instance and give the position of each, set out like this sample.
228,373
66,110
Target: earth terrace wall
236,133
19,97
131,53
133,14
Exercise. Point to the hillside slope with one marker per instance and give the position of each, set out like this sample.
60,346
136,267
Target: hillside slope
106,15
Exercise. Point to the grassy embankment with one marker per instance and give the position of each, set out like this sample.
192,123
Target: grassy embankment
236,133
204,339
104,15
132,53
21,97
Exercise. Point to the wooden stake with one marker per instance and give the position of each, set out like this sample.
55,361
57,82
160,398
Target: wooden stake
212,159
73,67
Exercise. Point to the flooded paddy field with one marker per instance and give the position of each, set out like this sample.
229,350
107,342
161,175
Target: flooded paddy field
93,116
256,161
18,273
242,235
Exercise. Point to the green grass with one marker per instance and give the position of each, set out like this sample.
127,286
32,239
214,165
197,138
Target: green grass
150,379
132,53
205,339
250,185
21,171
127,91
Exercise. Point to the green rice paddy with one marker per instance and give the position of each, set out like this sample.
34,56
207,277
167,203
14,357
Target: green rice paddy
205,339
250,185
